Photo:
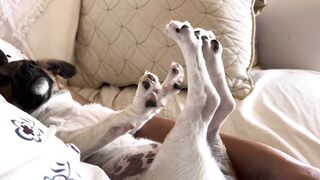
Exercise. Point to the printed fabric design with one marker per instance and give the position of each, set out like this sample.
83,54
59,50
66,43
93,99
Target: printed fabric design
62,171
27,130
74,148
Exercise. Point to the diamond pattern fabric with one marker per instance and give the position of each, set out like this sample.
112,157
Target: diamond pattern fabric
118,41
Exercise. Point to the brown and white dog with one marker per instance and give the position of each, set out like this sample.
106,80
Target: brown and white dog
192,150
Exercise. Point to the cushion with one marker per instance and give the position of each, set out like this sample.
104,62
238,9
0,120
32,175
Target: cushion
41,28
118,40
259,5
32,151
290,39
11,52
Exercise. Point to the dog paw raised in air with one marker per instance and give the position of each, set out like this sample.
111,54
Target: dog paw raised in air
183,34
151,96
172,83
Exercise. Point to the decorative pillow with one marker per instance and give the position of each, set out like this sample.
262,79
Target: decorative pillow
118,40
259,5
11,52
32,151
41,28
290,39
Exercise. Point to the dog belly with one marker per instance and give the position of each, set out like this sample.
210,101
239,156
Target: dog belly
126,157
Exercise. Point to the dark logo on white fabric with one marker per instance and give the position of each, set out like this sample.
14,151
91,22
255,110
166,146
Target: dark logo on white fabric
62,171
27,130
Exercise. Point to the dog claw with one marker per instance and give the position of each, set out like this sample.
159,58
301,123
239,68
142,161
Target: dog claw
146,84
151,103
177,86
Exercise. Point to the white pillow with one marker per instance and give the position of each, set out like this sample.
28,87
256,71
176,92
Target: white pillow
30,150
118,40
41,28
289,34
11,52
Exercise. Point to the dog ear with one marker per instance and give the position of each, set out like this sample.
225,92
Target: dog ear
3,58
62,68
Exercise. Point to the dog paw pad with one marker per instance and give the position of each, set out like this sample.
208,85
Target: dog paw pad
151,103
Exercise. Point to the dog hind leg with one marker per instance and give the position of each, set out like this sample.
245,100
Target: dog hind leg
212,52
185,153
126,157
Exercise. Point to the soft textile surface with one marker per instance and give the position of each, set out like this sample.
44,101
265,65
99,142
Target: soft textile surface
290,39
283,111
11,52
29,150
118,40
40,28
259,5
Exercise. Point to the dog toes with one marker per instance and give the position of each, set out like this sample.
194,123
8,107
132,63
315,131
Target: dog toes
172,83
174,78
209,41
148,80
153,95
147,92
182,32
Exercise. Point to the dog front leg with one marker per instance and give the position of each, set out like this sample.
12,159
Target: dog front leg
94,137
150,97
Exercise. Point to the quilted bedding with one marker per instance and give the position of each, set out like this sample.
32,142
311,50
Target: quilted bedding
282,111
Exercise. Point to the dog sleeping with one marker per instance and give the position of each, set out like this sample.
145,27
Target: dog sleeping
192,150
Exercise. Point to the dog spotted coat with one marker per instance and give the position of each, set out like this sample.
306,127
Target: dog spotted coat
192,150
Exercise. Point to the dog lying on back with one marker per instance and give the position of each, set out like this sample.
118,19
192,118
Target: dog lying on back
193,148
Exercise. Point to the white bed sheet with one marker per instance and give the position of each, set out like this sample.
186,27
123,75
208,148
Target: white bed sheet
282,111
31,151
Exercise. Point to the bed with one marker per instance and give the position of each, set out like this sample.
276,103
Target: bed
278,107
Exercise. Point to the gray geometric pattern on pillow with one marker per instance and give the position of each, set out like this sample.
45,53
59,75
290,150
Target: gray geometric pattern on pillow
119,39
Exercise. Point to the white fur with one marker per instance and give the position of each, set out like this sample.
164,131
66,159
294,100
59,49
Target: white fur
102,133
185,153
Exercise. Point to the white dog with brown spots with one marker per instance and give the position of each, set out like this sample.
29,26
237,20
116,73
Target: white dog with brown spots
193,148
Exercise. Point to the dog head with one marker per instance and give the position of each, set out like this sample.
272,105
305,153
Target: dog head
31,83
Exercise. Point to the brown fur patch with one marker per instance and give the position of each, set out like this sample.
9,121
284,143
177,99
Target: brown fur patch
154,145
135,166
150,157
